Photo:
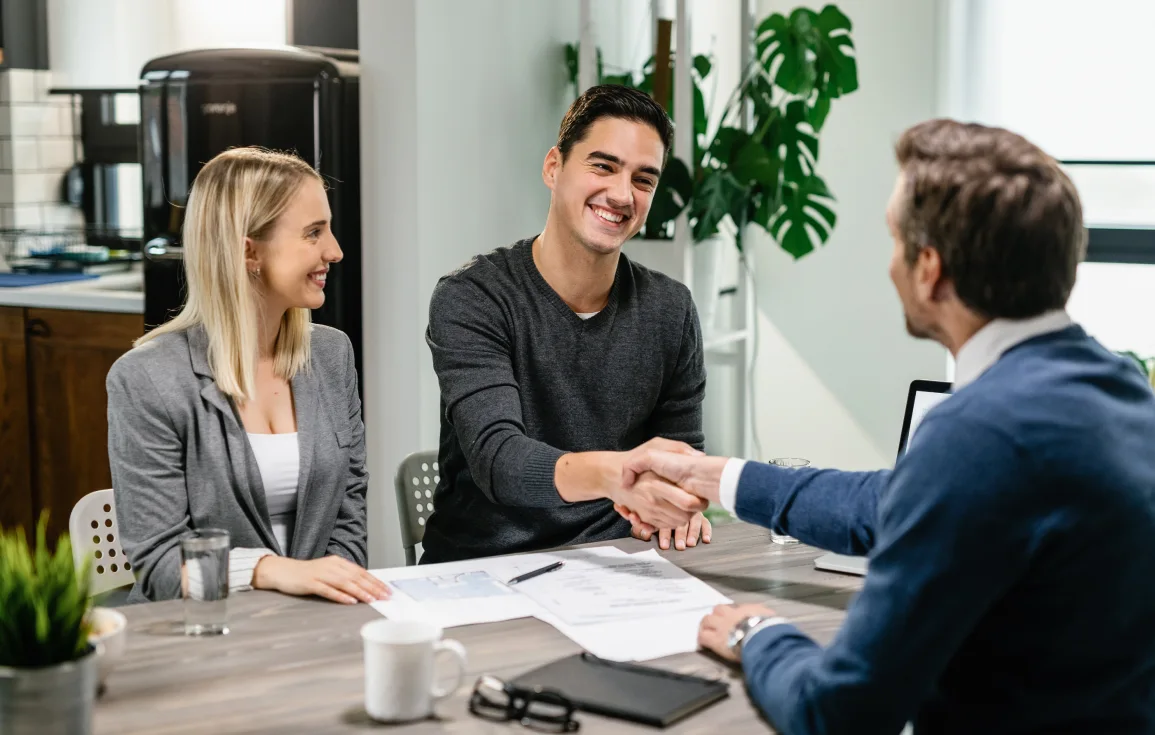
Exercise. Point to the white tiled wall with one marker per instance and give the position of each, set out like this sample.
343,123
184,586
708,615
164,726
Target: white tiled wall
38,143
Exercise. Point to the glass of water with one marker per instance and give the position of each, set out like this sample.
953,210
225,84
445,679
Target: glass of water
790,463
204,573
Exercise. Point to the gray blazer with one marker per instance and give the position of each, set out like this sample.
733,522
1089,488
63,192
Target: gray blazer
181,459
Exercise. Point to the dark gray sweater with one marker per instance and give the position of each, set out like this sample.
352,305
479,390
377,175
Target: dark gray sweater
525,380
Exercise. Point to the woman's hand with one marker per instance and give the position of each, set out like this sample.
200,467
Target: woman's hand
331,577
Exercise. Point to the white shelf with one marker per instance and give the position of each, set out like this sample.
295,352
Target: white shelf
720,341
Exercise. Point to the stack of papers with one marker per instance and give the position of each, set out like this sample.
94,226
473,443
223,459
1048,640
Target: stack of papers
617,606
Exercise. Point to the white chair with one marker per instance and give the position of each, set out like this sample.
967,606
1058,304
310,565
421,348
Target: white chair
95,537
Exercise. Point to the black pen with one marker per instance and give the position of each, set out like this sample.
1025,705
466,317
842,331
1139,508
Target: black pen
530,575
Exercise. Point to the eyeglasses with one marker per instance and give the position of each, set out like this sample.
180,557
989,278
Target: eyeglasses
545,710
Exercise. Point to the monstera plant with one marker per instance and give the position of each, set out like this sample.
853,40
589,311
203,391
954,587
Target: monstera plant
760,166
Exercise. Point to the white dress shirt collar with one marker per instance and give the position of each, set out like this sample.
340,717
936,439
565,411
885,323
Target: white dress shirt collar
988,344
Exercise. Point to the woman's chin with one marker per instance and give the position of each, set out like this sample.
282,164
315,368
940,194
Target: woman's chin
311,301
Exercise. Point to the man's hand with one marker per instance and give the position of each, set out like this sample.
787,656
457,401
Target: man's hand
582,476
658,503
683,536
714,631
330,577
696,474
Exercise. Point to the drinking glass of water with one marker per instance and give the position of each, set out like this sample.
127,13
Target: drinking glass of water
791,463
204,573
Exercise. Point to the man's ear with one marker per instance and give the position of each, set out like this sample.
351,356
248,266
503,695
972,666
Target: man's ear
551,167
929,282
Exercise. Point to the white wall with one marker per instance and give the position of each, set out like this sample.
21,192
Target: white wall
104,43
224,23
834,359
460,102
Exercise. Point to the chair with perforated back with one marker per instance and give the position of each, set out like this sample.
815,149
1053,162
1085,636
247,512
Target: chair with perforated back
417,477
95,536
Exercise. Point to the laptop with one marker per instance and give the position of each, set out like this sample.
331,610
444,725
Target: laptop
922,396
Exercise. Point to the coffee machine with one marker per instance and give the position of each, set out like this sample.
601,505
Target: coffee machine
196,104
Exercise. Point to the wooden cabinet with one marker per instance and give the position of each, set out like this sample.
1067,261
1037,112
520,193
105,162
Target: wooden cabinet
67,355
16,502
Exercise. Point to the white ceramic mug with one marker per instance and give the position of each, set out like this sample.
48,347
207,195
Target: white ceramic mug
400,664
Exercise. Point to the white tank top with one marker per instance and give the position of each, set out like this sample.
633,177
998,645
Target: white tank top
279,460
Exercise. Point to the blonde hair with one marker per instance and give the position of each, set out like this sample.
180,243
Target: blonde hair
239,193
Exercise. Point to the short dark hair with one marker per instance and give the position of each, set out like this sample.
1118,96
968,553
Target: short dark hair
613,100
1004,217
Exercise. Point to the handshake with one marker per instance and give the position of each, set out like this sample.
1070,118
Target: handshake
665,485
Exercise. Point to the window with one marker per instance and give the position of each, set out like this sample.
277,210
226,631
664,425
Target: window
1071,75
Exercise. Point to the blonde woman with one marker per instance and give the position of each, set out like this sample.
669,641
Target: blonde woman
240,414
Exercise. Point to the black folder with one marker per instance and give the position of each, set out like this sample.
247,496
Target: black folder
625,691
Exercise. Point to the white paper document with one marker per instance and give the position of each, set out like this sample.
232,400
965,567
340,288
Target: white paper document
637,640
473,591
617,606
428,593
662,633
598,589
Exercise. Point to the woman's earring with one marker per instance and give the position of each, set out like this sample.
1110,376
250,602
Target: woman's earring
255,273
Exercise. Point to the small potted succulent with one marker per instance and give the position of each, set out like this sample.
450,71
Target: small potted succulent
48,668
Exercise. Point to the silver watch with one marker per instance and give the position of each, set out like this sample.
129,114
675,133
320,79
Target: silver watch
741,630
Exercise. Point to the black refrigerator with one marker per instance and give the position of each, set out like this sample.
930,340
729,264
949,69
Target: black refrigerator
196,104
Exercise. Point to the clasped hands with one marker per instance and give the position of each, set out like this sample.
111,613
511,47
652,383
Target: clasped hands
661,467
659,494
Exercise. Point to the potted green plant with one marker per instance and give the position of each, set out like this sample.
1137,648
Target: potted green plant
48,669
760,166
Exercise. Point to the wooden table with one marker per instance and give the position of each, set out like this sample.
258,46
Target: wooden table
292,665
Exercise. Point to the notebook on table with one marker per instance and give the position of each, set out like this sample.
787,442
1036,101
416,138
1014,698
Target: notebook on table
631,692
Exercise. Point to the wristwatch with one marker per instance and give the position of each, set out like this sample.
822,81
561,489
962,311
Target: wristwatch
741,630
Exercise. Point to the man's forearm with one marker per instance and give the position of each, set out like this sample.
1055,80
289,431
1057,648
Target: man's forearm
581,476
830,509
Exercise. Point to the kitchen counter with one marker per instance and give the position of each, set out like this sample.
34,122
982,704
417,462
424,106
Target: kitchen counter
114,292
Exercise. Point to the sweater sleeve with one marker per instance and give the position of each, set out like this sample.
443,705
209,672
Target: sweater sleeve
678,415
472,356
949,545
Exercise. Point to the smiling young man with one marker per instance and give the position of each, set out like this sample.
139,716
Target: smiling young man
557,354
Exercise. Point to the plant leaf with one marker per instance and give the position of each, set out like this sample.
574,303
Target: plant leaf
801,156
836,65
767,204
571,63
805,220
670,197
727,142
718,194
818,112
702,66
759,91
753,163
43,601
785,52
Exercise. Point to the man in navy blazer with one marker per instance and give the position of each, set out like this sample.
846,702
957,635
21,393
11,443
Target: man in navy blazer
1012,550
